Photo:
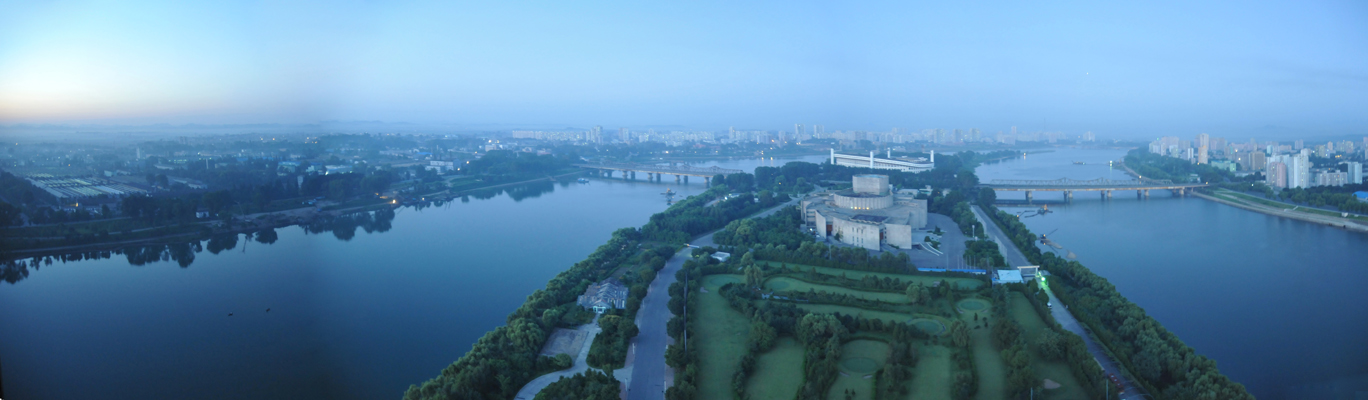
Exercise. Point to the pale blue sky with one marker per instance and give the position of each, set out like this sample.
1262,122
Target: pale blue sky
1143,70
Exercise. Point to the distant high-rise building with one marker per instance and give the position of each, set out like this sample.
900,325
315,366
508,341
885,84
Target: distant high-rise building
1258,161
1299,170
1276,175
1355,172
797,131
596,134
624,135
1089,137
1203,145
1297,145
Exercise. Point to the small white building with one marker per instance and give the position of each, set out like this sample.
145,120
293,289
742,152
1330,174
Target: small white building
1028,272
1009,276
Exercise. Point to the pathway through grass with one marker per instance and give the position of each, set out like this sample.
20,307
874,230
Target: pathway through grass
722,333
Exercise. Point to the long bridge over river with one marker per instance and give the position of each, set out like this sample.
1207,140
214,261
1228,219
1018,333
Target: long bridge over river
1103,185
654,172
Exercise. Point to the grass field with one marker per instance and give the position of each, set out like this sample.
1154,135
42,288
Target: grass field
831,308
778,372
992,371
859,359
1237,196
933,379
722,333
1033,326
963,283
787,283
881,315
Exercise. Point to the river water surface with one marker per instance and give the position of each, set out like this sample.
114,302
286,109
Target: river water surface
361,318
1280,304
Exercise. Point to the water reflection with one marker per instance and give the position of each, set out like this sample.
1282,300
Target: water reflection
342,226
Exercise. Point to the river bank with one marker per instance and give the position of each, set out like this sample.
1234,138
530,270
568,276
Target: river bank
1337,222
1288,212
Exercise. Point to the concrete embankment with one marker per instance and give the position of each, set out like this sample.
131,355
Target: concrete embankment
1301,216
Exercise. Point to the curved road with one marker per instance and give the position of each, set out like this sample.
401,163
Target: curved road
1066,319
650,375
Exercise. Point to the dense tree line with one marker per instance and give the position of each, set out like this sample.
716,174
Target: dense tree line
1165,365
1340,197
984,254
1154,166
590,385
20,191
777,228
507,358
689,217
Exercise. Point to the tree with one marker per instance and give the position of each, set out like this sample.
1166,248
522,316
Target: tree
754,277
1050,346
959,333
914,293
762,335
9,214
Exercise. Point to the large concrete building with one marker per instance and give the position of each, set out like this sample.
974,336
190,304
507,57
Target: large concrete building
868,215
900,164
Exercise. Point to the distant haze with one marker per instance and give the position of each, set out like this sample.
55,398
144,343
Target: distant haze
1129,71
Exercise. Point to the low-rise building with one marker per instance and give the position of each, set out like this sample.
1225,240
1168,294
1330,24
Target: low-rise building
604,295
1008,276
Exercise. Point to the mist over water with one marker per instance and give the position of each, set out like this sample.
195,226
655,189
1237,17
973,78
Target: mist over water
1278,303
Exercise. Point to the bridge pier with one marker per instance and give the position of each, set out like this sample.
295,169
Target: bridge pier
707,182
633,175
686,179
608,173
1106,195
1068,196
677,178
1028,196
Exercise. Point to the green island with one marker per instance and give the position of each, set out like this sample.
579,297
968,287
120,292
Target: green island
781,316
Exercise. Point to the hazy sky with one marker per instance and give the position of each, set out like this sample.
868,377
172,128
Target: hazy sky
1144,70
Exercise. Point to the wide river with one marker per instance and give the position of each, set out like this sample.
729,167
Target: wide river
1280,304
361,318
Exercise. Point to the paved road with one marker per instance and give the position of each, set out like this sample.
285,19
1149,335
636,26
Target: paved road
531,389
650,375
1066,319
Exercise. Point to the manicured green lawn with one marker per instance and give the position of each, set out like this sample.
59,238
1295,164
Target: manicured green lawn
831,308
786,283
932,379
778,372
860,359
964,283
722,333
1033,326
992,371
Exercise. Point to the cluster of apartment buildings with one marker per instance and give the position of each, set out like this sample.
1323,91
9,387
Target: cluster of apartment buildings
1283,166
800,133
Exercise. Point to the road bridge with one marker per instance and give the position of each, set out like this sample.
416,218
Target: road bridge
1103,185
654,172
